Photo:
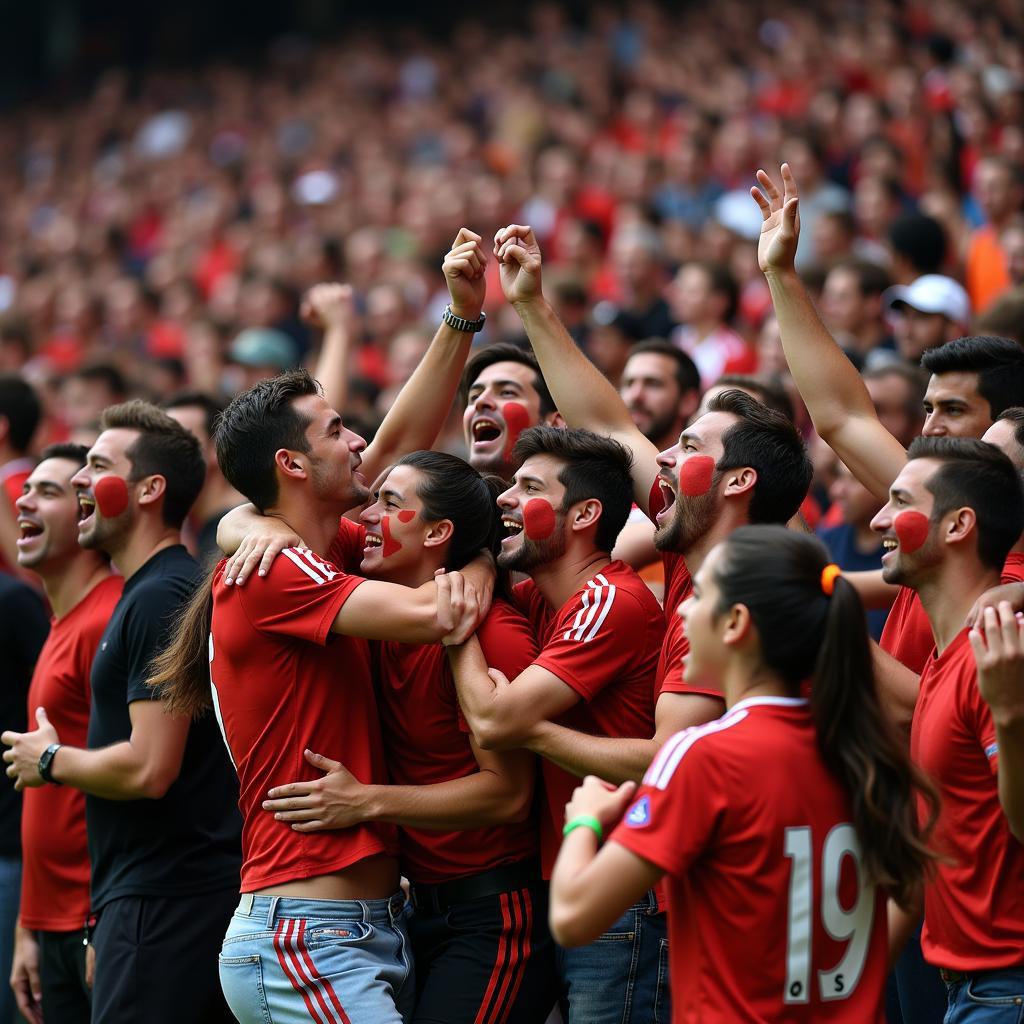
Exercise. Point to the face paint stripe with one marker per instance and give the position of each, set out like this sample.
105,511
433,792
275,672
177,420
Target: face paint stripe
406,515
390,545
517,419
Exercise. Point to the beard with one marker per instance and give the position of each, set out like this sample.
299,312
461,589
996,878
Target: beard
103,534
660,426
691,520
533,553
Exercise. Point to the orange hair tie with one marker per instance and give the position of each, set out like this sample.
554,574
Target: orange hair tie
828,577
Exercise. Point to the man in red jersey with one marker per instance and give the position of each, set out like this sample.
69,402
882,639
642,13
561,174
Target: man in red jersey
739,463
954,513
48,974
599,630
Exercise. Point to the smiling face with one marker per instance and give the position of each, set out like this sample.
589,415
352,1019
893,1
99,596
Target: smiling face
106,492
532,514
395,528
48,513
909,536
953,407
689,483
334,454
502,403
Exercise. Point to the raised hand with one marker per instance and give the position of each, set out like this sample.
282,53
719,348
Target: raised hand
464,268
519,258
329,305
780,231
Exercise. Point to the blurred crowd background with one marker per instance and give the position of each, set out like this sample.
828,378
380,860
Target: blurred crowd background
160,222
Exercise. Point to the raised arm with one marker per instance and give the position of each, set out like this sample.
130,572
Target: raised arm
836,397
418,413
584,396
331,307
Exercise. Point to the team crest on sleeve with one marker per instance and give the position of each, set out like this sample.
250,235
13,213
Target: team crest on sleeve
639,814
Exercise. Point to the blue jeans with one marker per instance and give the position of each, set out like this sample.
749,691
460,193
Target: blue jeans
10,897
290,961
987,997
622,977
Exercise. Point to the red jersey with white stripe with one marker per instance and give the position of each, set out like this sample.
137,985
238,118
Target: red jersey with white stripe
427,741
770,916
974,906
282,683
55,874
603,643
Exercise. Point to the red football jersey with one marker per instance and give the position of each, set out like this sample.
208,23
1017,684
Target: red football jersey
604,643
55,863
282,682
770,917
974,906
426,740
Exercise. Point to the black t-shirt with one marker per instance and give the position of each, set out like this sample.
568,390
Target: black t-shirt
189,841
24,626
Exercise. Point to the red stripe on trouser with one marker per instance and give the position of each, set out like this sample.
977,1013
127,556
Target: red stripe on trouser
482,1015
317,979
527,932
284,959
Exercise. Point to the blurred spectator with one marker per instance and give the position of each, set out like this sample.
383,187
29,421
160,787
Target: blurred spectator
610,340
20,412
999,190
1005,316
851,306
927,313
661,388
897,392
1012,241
918,246
84,395
258,353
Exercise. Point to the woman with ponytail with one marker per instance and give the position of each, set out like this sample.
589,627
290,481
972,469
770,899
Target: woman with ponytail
468,840
783,826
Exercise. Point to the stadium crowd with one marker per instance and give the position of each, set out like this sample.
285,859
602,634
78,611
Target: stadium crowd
471,619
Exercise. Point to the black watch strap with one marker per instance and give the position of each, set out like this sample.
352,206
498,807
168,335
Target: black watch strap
46,763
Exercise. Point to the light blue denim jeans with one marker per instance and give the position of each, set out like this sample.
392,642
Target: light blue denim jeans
289,961
622,977
987,997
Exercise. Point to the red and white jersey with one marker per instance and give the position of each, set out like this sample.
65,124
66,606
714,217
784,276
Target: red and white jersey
283,682
770,915
426,740
55,870
604,644
974,906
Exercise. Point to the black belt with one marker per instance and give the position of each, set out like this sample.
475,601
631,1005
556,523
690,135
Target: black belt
438,898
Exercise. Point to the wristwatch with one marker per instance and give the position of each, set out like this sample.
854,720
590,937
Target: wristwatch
45,765
461,323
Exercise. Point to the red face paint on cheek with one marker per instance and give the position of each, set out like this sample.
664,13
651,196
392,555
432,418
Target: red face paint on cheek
695,475
656,499
111,494
911,529
390,545
406,515
538,519
517,419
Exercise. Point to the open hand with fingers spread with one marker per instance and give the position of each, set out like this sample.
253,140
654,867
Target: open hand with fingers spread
780,230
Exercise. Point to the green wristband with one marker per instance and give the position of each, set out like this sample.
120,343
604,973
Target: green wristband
584,821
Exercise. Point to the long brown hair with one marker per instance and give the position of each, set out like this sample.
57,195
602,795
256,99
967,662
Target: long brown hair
806,634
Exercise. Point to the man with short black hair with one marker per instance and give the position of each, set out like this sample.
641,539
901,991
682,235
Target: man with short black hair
20,412
661,388
160,792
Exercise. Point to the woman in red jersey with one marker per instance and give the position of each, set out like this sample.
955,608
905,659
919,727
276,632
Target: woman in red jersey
783,825
468,840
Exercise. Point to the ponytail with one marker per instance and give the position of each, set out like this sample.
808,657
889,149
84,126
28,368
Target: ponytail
806,634
180,674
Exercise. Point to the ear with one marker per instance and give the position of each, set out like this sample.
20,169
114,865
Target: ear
959,525
740,481
151,489
554,419
439,533
585,514
291,464
738,625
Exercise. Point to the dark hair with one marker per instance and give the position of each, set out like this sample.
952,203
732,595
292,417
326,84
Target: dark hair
1015,415
255,426
20,406
871,278
686,373
998,362
180,673
805,634
210,406
453,489
104,373
920,240
767,390
721,282
979,476
77,453
595,467
164,447
771,445
913,376
506,352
